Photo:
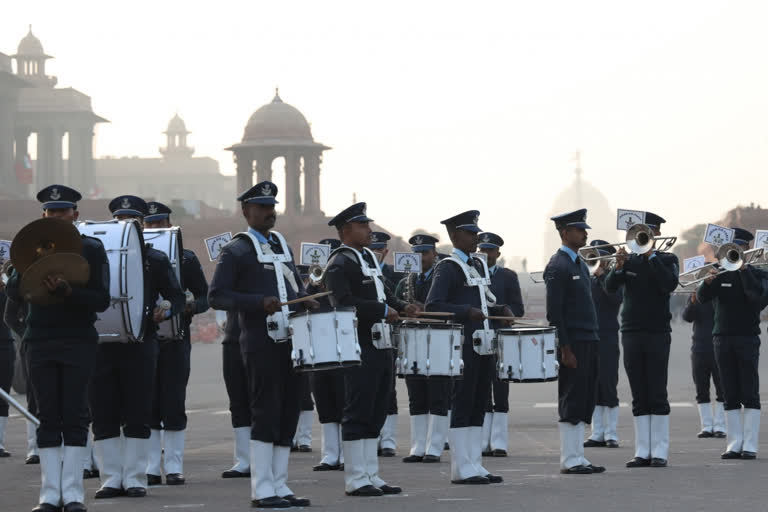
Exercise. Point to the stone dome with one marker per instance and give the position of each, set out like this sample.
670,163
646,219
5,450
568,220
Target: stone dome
30,46
176,125
277,120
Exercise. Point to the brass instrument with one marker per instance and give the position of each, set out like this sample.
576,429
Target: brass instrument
316,274
730,257
639,240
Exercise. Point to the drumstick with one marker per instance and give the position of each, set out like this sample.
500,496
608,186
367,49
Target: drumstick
515,320
304,299
434,313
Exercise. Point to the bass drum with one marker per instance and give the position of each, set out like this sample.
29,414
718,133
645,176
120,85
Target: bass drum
125,320
168,241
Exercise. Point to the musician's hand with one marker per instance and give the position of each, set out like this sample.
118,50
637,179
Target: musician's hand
694,298
57,286
649,254
392,316
476,315
507,311
621,258
189,308
311,304
567,357
599,271
159,315
412,309
711,277
271,305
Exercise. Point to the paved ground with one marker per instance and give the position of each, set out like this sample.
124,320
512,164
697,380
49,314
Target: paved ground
695,480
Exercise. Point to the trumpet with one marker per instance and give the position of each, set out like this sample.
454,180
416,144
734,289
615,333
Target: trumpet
316,274
639,240
730,257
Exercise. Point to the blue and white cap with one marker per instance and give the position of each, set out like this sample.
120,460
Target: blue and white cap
58,196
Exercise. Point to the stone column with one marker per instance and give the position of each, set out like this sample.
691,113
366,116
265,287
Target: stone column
264,167
7,175
44,167
292,184
57,157
244,171
22,150
312,183
86,150
75,162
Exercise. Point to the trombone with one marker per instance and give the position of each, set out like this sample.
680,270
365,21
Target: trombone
729,257
639,240
316,274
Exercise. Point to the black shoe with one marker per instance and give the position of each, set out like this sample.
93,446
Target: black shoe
387,452
596,469
499,453
658,463
46,507
494,479
748,455
341,467
174,479
638,462
32,459
305,448
390,489
413,458
272,502
591,443
233,473
731,455
473,480
95,473
704,434
446,446
108,492
87,475
577,470
487,453
366,490
430,459
154,480
297,502
294,448
135,492
4,454
326,467
75,506
611,444
719,434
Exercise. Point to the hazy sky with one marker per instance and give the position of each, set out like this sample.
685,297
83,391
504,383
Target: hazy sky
433,108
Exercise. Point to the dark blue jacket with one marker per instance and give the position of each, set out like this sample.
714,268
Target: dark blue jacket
193,279
607,305
738,297
569,299
73,318
702,315
506,287
648,284
449,293
241,283
232,329
351,288
5,331
160,279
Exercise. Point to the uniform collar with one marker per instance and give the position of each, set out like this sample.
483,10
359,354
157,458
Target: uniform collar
428,273
570,252
261,238
492,270
461,254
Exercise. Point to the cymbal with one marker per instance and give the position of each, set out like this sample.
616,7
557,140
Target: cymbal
43,237
73,268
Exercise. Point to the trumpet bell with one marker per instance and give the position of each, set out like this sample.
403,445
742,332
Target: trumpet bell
591,258
316,274
639,239
730,256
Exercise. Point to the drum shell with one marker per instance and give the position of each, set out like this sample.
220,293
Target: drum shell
168,241
429,350
125,320
324,340
527,354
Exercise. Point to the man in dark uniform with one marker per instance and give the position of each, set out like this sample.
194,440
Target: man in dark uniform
7,361
605,419
328,390
738,297
452,292
236,382
704,367
302,440
254,274
169,419
506,287
388,438
648,281
571,311
61,345
428,398
354,278
123,383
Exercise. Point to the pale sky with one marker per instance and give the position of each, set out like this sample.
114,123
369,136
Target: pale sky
433,108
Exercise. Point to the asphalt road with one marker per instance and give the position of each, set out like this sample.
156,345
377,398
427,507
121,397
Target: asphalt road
696,478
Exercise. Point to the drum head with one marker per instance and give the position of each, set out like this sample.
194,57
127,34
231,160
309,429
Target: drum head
132,278
525,331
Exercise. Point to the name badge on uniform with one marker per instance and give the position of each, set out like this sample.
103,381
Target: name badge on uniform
575,278
726,285
367,281
631,274
269,267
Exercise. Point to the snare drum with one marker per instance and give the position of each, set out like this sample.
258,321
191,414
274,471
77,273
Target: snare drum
429,350
324,340
168,241
527,354
125,320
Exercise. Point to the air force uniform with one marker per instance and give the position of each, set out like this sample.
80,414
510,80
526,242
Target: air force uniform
571,310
